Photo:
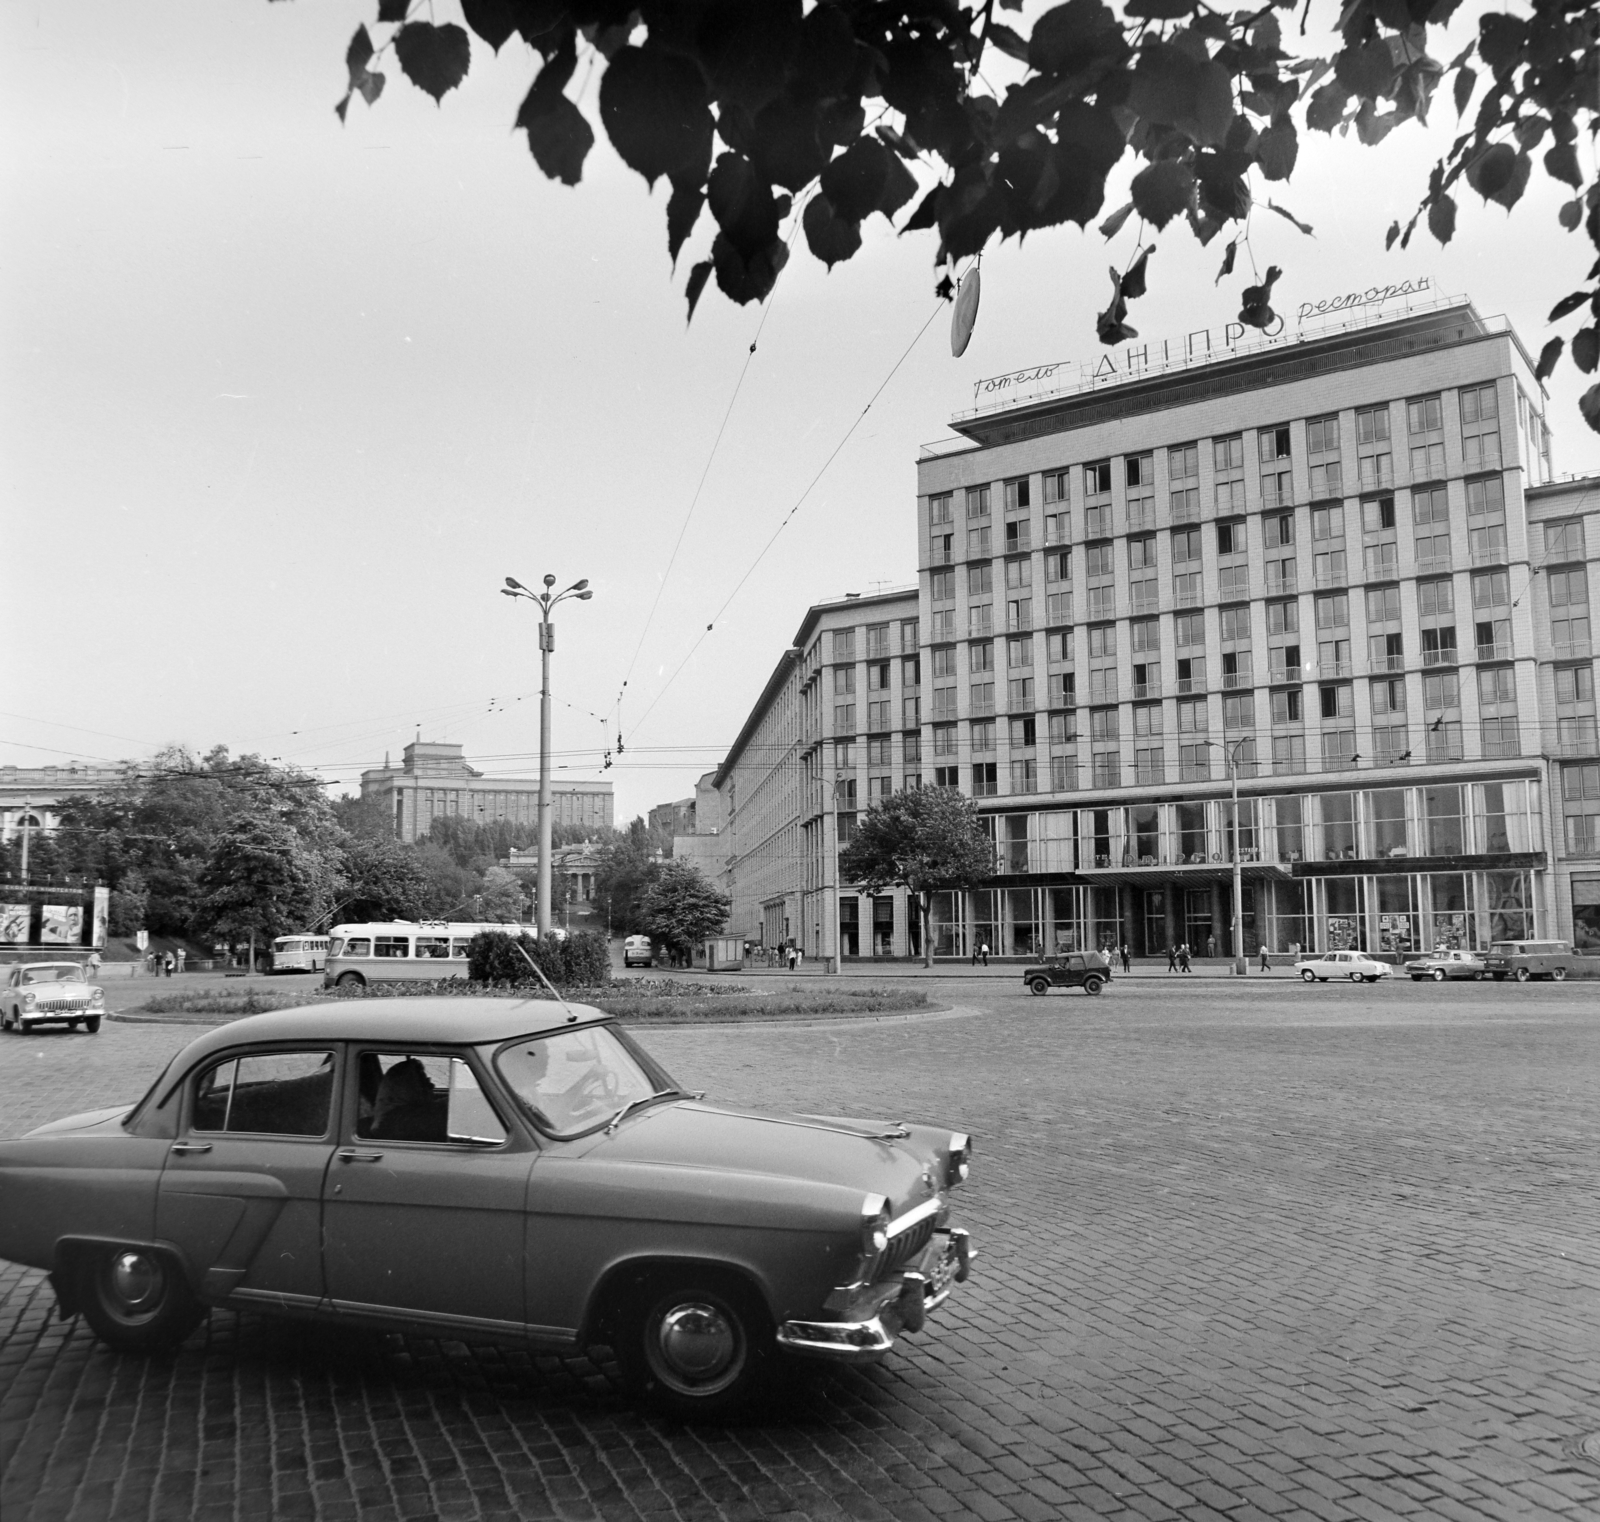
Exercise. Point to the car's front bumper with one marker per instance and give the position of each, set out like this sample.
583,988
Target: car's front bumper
881,1312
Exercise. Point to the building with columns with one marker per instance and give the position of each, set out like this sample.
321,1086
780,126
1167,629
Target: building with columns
434,781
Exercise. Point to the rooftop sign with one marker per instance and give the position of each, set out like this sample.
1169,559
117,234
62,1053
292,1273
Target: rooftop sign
1202,346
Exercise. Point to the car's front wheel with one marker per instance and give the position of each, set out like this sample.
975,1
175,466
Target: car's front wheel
1438,974
1038,985
1523,975
1309,976
1355,977
136,1300
92,1024
349,980
696,1346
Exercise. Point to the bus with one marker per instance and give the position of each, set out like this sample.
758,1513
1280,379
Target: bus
299,953
403,950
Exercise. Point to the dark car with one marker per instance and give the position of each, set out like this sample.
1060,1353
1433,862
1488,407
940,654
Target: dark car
1088,970
507,1170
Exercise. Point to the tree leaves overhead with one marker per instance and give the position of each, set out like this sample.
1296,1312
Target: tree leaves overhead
433,58
861,106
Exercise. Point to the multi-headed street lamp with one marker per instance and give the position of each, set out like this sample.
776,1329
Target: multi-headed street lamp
547,600
1241,964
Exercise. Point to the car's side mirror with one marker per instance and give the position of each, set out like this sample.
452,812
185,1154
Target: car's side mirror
470,1117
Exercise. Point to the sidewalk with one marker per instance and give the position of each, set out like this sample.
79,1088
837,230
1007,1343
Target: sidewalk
1143,967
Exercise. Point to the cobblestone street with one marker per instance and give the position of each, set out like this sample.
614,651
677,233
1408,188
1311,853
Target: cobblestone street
1270,1251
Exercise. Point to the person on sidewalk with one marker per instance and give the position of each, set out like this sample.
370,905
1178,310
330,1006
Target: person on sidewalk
94,966
799,958
168,962
983,951
1172,958
1183,958
1127,964
1211,945
793,958
1266,966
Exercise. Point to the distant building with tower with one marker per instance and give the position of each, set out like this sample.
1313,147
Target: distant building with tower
434,781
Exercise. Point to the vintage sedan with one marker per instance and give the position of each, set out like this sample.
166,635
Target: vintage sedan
1355,965
50,993
1441,965
496,1169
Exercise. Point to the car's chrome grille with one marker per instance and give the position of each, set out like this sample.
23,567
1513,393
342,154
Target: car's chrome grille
908,1245
54,1004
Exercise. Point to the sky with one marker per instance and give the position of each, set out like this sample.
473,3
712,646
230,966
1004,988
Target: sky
284,402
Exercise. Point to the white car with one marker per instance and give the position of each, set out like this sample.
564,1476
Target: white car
638,951
50,993
1355,965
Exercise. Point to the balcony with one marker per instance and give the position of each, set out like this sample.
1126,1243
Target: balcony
1329,579
1186,514
1327,669
1445,655
1146,597
1383,663
1232,681
1282,584
1428,564
1500,650
1143,690
1187,597
1490,554
941,556
1572,649
1185,685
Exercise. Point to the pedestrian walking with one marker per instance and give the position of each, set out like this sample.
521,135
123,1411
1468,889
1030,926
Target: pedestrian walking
1172,958
94,965
799,958
168,962
1183,958
1266,966
983,951
793,957
183,956
1127,964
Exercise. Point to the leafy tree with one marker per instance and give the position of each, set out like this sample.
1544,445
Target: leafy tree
379,879
925,840
623,875
501,895
260,881
759,109
682,906
580,960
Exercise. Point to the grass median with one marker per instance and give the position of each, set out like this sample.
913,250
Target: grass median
655,1001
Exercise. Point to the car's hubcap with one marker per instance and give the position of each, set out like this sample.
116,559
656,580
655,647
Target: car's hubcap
137,1280
697,1342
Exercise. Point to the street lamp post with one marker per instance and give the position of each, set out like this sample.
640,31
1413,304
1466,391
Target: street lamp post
547,600
1241,963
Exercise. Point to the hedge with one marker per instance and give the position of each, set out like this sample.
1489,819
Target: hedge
583,959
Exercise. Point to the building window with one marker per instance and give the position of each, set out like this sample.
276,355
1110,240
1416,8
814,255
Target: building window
1019,693
1580,807
985,780
1286,706
1056,487
1563,541
944,739
982,698
1019,535
1057,528
878,715
983,738
1569,611
1025,776
1017,495
1338,749
947,776
844,718
844,649
1486,520
1097,478
977,502
1288,757
1480,428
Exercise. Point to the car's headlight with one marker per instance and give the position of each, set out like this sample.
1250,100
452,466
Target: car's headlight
97,996
874,1225
959,1164
29,1000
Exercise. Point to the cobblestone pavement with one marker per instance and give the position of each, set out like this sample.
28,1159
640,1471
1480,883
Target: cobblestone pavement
1271,1252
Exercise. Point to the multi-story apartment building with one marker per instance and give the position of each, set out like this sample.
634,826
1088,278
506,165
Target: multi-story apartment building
1338,564
838,725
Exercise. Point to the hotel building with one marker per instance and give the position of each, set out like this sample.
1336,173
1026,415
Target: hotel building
1332,568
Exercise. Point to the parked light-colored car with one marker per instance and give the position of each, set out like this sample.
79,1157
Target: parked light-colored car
51,993
1355,965
1446,964
638,951
498,1170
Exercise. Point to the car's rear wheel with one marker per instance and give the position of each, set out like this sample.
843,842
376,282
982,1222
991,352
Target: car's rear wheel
696,1346
1523,975
136,1300
349,980
1438,974
1092,984
1038,985
1559,974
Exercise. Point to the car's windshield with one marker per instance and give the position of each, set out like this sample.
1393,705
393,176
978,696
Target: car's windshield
573,1081
64,973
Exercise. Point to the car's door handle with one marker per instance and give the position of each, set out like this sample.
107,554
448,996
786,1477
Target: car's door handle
186,1149
350,1155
